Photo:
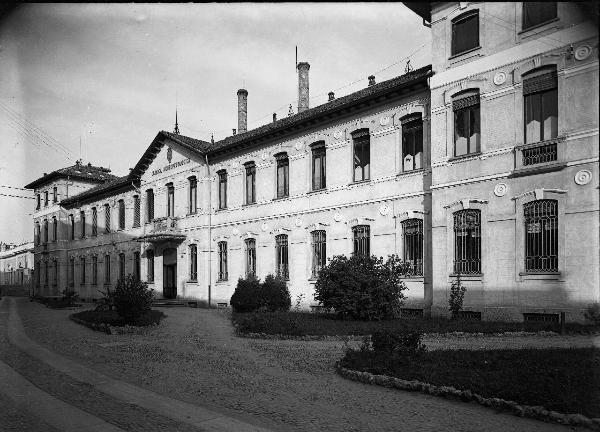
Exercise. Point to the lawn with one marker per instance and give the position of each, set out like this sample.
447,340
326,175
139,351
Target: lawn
314,324
563,380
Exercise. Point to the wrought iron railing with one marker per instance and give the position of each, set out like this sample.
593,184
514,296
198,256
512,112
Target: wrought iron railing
541,152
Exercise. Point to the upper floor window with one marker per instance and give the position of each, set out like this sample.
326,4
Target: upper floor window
94,221
82,270
282,269
149,205
412,231
46,231
467,241
362,239
38,202
72,271
362,156
412,142
536,13
137,266
319,252
283,175
136,210
72,223
54,228
222,275
466,122
55,283
150,265
465,32
250,182
222,189
82,221
193,196
121,214
106,218
541,236
319,164
94,270
106,269
121,265
540,93
170,200
46,199
250,257
38,233
193,262
54,194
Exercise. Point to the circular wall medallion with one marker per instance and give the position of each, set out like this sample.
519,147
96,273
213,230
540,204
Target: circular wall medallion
337,217
264,226
298,146
337,134
582,52
583,177
298,222
235,231
500,189
384,209
384,121
500,78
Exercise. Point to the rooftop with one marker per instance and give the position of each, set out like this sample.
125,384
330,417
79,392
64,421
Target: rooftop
78,171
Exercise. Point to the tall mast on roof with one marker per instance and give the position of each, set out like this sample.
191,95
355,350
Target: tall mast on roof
176,130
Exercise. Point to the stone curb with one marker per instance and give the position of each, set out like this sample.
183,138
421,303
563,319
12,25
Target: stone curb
108,329
535,412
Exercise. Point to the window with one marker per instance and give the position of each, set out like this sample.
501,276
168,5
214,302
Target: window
46,279
150,265
540,92
465,32
193,262
72,221
38,271
106,218
318,166
536,13
54,228
281,255
55,283
136,211
250,182
412,231
46,199
94,270
170,200
38,204
82,222
193,196
149,205
46,231
106,269
319,252
466,122
222,276
37,233
121,214
121,265
361,143
412,142
467,241
222,189
541,236
362,240
137,271
250,257
94,221
82,270
54,194
72,271
283,175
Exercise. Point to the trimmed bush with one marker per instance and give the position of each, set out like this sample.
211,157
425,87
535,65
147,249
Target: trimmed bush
251,295
132,299
362,287
393,341
246,297
275,295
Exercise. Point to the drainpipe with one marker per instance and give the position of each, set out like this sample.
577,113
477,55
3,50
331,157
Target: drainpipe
209,230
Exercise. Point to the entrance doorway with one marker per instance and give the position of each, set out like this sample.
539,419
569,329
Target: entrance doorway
170,273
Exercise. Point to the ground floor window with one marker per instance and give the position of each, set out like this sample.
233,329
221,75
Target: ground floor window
541,236
362,241
94,270
412,231
281,255
319,252
121,265
137,271
107,269
150,265
250,257
193,262
467,241
222,276
55,273
72,271
82,264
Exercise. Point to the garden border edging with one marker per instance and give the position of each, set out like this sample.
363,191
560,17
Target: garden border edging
108,329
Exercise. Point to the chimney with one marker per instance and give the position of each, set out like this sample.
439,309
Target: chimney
274,117
233,131
371,80
242,110
303,104
331,96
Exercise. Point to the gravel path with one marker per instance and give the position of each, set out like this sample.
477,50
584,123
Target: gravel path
291,385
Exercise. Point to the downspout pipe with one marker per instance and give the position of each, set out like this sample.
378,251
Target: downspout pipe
209,230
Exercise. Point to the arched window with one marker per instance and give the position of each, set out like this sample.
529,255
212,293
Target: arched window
412,142
193,195
319,165
136,211
541,236
149,205
250,182
222,175
412,231
72,221
319,252
362,239
282,269
466,122
55,272
361,146
121,214
250,257
540,101
467,241
283,174
170,200
94,221
222,249
106,218
82,222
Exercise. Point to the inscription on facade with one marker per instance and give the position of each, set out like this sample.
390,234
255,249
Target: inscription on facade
170,166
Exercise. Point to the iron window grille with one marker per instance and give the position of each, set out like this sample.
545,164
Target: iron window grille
149,205
94,270
362,157
362,240
222,247
54,228
170,200
250,257
319,164
222,189
137,271
281,255
106,269
412,143
537,13
467,241
121,214
541,236
106,218
121,265
540,93
283,174
136,211
466,123
465,32
193,196
94,221
54,194
412,230
82,265
72,220
193,262
250,182
150,264
319,252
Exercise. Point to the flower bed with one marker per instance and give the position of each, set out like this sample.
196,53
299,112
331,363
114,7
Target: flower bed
110,322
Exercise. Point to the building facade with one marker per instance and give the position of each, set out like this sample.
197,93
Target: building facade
16,268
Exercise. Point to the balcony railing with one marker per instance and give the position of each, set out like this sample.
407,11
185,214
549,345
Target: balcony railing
539,153
164,224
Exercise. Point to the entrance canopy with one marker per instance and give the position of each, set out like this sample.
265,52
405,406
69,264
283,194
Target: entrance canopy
162,230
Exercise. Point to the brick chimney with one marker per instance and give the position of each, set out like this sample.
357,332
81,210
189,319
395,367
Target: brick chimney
303,103
371,80
242,95
331,96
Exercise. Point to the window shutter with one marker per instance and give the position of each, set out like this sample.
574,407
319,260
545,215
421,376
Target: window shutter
466,101
539,82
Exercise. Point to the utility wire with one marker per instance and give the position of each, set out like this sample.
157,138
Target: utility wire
16,196
14,187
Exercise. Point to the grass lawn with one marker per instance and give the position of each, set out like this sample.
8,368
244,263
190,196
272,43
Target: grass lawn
313,324
563,380
112,318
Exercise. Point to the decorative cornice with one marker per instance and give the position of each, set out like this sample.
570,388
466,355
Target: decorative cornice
359,220
539,193
466,202
316,225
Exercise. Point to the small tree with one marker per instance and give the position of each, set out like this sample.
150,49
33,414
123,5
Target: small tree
246,297
274,294
132,298
457,294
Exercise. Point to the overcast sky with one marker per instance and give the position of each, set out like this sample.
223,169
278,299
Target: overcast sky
108,76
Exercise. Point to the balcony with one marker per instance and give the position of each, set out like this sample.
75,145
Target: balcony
161,230
539,157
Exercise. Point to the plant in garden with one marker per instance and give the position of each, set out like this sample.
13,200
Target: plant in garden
269,296
457,295
362,287
409,341
107,301
133,299
246,297
299,299
274,294
69,297
592,313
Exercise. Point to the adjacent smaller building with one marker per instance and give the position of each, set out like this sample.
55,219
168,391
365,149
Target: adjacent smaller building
16,268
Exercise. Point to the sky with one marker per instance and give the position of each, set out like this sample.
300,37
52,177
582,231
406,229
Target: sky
98,82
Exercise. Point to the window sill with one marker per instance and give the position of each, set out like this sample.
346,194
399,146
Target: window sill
415,278
193,282
540,275
408,172
462,53
468,277
468,155
222,281
316,191
541,168
282,198
250,204
537,26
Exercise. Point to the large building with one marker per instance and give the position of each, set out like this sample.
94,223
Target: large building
16,268
483,165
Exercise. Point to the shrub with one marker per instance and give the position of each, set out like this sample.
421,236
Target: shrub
107,301
397,341
457,294
69,297
592,313
246,297
274,294
362,287
132,298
